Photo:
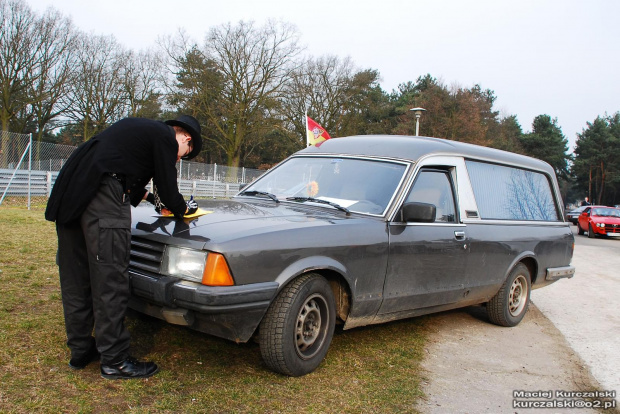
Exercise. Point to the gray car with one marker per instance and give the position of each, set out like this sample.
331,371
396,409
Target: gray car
573,215
359,231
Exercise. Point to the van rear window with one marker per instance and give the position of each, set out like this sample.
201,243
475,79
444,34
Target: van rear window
509,193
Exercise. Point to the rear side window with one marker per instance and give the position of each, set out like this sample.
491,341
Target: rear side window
509,193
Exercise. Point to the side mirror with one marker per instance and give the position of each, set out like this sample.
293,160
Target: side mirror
419,212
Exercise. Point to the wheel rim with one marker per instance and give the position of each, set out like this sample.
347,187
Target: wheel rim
311,326
518,296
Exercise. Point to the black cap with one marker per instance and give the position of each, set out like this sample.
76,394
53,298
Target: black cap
191,125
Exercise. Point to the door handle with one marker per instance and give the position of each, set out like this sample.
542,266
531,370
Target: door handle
459,235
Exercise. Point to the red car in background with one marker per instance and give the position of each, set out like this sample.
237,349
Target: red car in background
601,220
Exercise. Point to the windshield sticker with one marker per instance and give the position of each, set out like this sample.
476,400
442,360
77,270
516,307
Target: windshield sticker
336,163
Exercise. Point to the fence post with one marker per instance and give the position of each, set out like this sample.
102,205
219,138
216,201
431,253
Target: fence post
49,184
29,169
14,173
214,178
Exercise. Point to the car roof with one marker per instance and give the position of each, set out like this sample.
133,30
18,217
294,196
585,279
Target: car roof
413,148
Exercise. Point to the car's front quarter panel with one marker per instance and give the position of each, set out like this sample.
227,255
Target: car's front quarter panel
265,246
354,248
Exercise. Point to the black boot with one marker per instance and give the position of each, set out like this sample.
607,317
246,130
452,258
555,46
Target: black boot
129,368
80,362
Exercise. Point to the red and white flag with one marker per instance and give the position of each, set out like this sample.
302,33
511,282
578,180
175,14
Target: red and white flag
315,133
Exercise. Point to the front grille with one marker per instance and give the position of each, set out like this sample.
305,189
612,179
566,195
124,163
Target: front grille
146,254
612,228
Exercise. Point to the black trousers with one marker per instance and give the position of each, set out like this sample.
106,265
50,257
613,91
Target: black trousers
93,258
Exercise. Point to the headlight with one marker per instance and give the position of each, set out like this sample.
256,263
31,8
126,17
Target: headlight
199,266
184,263
600,224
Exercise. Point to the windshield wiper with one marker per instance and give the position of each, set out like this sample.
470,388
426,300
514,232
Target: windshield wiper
318,200
263,193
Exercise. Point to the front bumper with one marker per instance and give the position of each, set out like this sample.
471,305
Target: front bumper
609,230
231,312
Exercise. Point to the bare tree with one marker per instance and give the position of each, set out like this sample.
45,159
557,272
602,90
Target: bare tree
97,94
194,85
50,85
142,84
343,99
238,78
322,87
18,47
32,50
256,63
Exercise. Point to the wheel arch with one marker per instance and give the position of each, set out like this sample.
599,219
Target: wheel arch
532,265
529,260
333,271
342,292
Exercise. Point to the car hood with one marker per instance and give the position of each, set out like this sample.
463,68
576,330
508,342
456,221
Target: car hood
231,219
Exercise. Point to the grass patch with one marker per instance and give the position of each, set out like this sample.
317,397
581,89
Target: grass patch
372,369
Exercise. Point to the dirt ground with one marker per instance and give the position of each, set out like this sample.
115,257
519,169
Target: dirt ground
478,373
474,366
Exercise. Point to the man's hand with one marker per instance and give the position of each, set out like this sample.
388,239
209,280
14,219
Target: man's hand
192,206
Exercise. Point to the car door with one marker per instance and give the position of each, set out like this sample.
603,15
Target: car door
427,261
584,219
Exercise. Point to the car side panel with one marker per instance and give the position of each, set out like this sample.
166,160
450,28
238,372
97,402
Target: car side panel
495,249
583,220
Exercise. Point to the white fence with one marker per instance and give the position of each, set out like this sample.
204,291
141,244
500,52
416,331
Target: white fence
38,183
29,169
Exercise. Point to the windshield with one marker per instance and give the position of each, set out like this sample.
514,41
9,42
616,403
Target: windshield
609,212
359,185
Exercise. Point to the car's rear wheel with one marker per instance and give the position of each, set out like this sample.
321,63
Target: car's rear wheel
590,231
298,327
509,305
580,230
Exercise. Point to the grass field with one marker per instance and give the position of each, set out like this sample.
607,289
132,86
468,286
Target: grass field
374,369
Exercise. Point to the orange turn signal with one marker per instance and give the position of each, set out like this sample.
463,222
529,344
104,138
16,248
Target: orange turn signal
216,271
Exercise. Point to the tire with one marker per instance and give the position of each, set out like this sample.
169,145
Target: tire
591,234
509,305
579,230
297,330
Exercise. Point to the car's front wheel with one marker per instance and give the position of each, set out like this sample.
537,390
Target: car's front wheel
591,231
508,306
298,327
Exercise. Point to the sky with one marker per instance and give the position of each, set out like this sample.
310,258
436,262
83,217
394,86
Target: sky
554,57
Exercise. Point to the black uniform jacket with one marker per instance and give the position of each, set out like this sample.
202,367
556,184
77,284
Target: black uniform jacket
134,148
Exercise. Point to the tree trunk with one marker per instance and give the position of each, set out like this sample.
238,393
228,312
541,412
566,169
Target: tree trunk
590,185
602,188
